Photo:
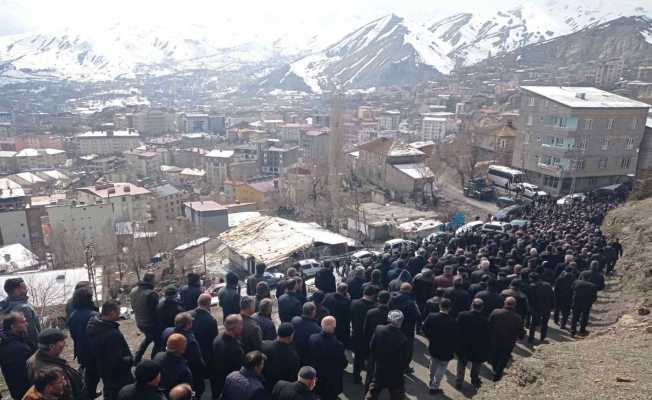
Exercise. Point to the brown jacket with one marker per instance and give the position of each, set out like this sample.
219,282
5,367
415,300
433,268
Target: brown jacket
74,381
505,328
33,394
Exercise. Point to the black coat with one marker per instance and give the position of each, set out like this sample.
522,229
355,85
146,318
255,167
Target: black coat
188,296
14,353
266,326
205,330
303,329
424,289
167,309
460,300
355,287
390,350
193,354
492,300
340,307
584,294
282,362
595,277
405,303
144,302
252,336
111,352
564,288
136,391
443,335
544,297
325,280
229,298
77,323
289,306
375,317
473,339
359,309
174,370
329,360
284,390
228,356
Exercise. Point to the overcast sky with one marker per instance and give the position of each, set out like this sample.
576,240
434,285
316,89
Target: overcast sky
18,16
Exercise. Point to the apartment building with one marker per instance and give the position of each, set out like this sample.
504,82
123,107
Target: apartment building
29,159
575,139
389,120
130,202
107,142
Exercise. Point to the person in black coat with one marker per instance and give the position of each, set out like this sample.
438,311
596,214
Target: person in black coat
148,376
304,327
110,350
264,319
299,390
325,280
174,367
490,297
339,303
329,360
190,293
473,342
253,280
389,349
318,298
229,296
376,316
359,309
282,358
543,304
564,295
355,283
404,301
424,289
183,323
594,275
204,326
228,355
443,335
460,298
15,350
144,301
289,305
585,294
83,309
168,307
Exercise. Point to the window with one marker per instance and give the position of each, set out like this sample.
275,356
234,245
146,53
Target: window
531,101
629,143
562,122
603,163
588,124
550,181
502,143
610,123
604,143
526,138
625,162
548,140
559,142
545,104
634,123
577,164
530,120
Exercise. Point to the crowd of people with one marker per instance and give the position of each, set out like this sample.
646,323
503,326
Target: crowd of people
472,296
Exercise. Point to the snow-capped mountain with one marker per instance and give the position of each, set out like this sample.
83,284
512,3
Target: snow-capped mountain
474,37
384,52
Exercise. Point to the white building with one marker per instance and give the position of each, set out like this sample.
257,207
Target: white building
28,159
389,120
107,142
433,128
14,229
130,202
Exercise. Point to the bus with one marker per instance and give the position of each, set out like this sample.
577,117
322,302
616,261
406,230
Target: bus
504,177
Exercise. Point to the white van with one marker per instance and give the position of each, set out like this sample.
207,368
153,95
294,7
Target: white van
504,177
395,246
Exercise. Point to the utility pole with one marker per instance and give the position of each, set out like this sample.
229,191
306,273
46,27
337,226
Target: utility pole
90,266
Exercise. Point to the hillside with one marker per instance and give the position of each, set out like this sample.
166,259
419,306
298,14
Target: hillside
615,361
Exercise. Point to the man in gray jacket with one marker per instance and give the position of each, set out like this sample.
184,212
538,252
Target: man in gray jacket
16,301
144,301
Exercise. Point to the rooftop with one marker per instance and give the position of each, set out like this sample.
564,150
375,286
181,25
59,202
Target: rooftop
19,258
101,134
584,97
115,190
193,172
204,206
216,153
380,145
264,186
10,189
415,171
375,212
165,190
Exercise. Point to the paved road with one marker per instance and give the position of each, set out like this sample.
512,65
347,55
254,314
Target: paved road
453,193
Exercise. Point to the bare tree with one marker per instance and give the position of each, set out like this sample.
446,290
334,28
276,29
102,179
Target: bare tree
45,293
459,153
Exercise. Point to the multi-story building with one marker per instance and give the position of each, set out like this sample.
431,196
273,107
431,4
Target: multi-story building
130,202
7,124
8,162
276,159
144,163
107,142
14,228
433,128
575,139
12,195
208,217
30,159
216,164
389,120
644,162
38,142
316,146
165,205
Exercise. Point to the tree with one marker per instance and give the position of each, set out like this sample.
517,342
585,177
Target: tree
459,153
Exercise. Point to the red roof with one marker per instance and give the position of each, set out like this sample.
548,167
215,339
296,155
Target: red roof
202,206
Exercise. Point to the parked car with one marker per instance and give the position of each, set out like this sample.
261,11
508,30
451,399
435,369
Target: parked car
520,223
441,235
497,226
509,213
396,246
477,188
364,257
273,276
504,201
570,198
309,267
530,190
470,227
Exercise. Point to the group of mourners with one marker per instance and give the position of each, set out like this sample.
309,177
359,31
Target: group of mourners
471,296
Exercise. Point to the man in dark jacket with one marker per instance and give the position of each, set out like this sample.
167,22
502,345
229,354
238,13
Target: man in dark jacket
247,383
204,327
564,295
355,283
594,275
543,304
389,349
174,367
321,311
253,280
190,293
443,336
329,360
227,353
229,296
490,297
148,376
505,328
473,342
375,317
324,279
359,309
144,302
460,298
264,319
585,294
424,289
82,310
110,350
339,303
51,343
183,324
289,305
304,327
17,301
15,350
299,390
252,335
522,301
282,358
404,301
168,307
